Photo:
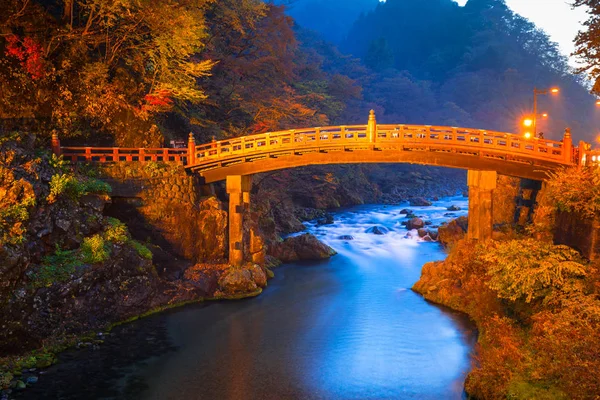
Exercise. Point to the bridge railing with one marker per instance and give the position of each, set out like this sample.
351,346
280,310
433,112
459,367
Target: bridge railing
115,154
386,135
346,137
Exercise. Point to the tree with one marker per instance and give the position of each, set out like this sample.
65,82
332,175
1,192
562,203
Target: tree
101,63
587,42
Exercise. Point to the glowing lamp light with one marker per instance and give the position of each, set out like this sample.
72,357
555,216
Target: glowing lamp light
554,90
545,115
593,158
528,122
527,135
598,102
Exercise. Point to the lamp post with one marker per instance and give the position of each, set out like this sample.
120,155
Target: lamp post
537,91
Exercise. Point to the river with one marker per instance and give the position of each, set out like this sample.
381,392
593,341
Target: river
345,328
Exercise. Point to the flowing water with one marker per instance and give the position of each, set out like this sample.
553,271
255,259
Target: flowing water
345,328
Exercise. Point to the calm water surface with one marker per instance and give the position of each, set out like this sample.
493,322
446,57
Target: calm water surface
346,328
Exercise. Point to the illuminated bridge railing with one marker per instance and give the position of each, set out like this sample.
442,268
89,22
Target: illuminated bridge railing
386,137
116,154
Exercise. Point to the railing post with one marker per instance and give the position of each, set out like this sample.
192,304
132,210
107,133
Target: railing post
191,149
55,144
372,127
568,147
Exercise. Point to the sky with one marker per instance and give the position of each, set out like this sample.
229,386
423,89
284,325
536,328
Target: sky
554,16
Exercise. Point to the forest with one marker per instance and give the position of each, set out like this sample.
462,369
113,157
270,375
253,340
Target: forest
230,68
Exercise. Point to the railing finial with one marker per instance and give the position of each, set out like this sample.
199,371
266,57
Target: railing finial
191,159
55,143
567,132
372,127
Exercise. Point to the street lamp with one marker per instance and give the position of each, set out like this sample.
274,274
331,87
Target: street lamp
537,91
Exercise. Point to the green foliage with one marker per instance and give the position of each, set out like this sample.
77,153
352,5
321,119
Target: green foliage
57,267
116,231
576,190
12,219
142,250
59,164
529,268
5,378
71,186
94,250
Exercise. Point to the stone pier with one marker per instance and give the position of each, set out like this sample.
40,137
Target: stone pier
481,191
238,188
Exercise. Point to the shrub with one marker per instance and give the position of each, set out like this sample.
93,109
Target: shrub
116,231
69,185
58,164
57,267
94,250
529,268
12,218
142,250
576,190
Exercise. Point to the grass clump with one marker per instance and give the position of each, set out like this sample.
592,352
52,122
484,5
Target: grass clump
94,250
57,267
66,184
142,250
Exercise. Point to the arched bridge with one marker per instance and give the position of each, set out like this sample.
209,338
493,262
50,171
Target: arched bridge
484,153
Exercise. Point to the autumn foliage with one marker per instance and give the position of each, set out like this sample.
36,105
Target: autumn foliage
537,307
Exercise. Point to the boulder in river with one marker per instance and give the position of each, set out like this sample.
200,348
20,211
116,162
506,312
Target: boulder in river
302,247
420,202
377,230
453,208
237,281
415,223
406,211
346,237
423,232
327,220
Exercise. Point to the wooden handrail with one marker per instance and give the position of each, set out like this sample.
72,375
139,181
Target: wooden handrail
351,137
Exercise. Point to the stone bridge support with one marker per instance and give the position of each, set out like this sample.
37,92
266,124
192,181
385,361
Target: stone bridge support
481,202
238,188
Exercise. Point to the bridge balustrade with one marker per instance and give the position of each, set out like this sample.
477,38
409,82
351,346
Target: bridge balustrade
374,137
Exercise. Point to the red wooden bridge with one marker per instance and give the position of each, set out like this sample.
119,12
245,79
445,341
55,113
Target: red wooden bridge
484,153
467,148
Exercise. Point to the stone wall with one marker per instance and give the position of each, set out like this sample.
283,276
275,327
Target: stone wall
581,233
163,204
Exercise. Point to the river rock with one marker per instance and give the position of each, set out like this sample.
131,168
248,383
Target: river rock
346,237
453,208
377,230
302,247
428,223
259,275
237,281
405,211
420,202
327,220
415,223
422,232
427,238
453,231
433,234
32,379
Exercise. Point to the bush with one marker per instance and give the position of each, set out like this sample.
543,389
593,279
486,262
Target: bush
94,250
142,250
68,185
529,268
116,232
576,190
57,267
12,218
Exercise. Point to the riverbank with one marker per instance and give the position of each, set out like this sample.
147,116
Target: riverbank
537,308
